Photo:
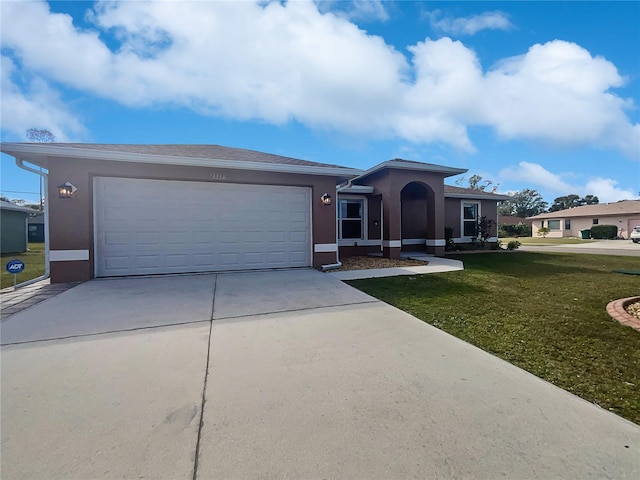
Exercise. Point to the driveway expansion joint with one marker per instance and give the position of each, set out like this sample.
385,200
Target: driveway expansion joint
321,307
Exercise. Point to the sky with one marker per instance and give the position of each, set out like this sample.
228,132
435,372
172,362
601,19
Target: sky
537,95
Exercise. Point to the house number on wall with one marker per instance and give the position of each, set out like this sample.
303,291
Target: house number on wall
217,176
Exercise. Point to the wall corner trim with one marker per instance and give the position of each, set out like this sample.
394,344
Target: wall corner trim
325,247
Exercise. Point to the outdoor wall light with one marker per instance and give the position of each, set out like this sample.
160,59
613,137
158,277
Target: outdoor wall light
66,190
326,199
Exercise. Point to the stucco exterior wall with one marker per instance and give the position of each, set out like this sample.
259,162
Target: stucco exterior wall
71,219
453,215
389,183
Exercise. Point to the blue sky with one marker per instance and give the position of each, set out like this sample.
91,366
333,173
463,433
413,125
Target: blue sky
540,95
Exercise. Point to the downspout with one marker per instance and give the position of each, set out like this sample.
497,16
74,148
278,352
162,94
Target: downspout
20,164
338,263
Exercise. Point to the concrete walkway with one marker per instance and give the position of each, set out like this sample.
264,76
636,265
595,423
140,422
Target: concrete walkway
434,265
289,374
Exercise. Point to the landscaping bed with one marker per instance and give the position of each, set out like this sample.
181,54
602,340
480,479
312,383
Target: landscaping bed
368,262
543,312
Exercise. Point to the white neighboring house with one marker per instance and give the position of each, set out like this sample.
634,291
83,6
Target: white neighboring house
624,214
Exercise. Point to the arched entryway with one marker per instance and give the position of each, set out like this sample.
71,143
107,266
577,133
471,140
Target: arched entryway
417,214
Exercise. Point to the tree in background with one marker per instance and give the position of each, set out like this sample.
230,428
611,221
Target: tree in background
571,201
525,203
476,182
36,135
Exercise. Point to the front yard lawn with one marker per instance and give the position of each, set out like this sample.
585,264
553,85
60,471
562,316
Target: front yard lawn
33,265
544,312
547,241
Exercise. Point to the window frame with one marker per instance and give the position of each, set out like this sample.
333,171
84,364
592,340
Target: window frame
554,225
464,220
362,200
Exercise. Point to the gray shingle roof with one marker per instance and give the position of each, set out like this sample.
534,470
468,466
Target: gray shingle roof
218,152
451,191
624,207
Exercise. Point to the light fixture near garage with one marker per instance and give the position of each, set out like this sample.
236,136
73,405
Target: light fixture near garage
66,190
326,199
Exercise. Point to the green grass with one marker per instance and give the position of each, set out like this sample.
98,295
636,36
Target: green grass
34,265
547,241
544,312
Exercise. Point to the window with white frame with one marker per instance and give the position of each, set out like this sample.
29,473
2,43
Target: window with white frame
350,219
470,219
554,224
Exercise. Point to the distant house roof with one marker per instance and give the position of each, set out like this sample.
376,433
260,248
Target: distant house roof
460,192
623,207
16,208
186,155
512,220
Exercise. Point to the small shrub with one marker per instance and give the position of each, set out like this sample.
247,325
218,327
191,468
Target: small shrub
513,245
544,231
448,237
608,232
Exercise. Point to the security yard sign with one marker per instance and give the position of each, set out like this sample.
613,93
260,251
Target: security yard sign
15,267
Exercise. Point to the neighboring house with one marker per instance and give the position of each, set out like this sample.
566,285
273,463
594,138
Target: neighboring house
570,222
119,210
36,228
13,227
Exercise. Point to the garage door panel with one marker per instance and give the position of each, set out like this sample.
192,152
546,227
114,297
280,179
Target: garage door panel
198,227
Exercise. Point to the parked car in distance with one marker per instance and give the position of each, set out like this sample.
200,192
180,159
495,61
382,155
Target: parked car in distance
635,234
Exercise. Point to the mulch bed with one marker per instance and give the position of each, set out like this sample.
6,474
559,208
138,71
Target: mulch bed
368,262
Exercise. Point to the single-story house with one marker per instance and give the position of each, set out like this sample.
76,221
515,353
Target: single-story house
118,210
13,227
36,227
624,214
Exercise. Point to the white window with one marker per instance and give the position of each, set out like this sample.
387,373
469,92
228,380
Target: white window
350,219
554,224
470,212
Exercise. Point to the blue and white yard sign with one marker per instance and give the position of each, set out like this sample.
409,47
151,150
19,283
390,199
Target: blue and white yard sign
15,266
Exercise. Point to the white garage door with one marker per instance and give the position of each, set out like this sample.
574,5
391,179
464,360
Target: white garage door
155,226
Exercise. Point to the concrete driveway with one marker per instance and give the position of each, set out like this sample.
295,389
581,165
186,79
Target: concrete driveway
288,374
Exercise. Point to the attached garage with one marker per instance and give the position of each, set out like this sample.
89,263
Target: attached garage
147,227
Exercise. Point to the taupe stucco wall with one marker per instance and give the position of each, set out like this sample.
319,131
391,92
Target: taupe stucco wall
453,214
389,183
71,220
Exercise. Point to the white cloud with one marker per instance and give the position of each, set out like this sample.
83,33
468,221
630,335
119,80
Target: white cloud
37,106
558,92
536,175
469,25
363,10
278,62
